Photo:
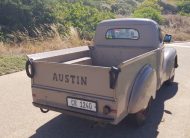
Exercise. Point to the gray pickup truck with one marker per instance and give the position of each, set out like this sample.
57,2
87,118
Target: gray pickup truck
116,77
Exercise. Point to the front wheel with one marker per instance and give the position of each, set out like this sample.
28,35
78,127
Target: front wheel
172,79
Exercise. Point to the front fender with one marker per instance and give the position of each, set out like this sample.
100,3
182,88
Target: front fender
170,62
143,89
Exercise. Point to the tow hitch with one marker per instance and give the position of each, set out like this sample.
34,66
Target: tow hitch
44,110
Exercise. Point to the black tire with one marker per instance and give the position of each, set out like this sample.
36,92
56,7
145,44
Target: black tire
141,116
29,69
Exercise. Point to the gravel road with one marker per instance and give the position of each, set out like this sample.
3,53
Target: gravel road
170,113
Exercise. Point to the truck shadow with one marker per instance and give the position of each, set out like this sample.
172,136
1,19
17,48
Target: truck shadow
70,127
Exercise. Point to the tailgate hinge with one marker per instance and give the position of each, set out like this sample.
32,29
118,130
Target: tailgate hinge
114,73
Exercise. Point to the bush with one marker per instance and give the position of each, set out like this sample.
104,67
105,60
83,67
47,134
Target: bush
184,7
1,36
23,13
24,16
178,26
151,3
150,13
35,17
149,9
83,18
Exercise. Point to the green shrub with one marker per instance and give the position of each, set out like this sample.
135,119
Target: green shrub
83,18
149,9
150,13
24,16
150,3
34,18
1,36
184,7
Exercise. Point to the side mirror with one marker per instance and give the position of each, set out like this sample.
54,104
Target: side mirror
167,38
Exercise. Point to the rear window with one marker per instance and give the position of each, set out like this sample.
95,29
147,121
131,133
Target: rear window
122,33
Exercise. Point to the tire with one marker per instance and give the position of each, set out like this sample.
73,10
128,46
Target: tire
170,81
29,72
141,116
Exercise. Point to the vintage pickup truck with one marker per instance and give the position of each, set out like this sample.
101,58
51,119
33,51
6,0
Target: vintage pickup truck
116,77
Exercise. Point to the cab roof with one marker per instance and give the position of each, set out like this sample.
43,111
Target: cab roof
128,21
149,34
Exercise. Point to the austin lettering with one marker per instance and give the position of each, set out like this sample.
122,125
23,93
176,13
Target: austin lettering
72,79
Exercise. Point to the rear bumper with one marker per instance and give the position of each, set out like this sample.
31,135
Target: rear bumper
75,113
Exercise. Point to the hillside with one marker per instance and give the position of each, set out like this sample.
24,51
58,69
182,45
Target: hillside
172,15
177,18
23,20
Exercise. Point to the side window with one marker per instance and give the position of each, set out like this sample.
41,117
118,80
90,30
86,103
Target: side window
122,33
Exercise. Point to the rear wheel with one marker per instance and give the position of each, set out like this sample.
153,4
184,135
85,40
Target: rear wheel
141,116
170,81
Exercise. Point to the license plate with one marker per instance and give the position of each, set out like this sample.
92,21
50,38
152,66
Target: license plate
82,104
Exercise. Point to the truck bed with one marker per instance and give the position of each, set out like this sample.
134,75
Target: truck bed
79,70
77,73
95,56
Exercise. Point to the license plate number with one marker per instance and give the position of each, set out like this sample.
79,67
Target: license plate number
82,104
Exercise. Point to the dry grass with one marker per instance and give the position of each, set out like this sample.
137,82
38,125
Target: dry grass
40,46
173,2
178,26
13,56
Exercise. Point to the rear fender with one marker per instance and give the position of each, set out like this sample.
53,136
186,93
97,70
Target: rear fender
143,89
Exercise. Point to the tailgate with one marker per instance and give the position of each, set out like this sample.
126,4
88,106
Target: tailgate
79,79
